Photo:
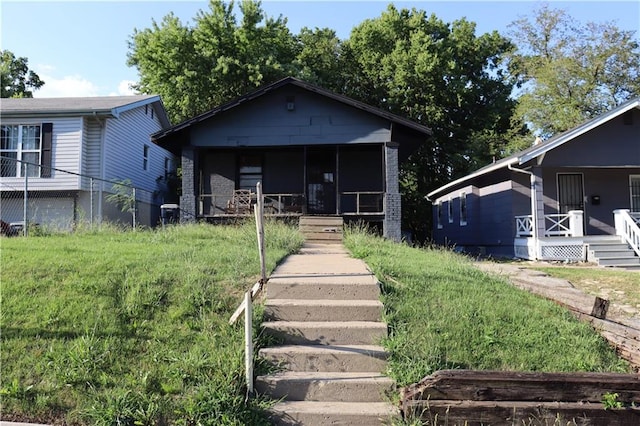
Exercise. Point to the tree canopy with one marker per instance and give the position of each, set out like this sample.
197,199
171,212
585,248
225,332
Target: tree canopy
16,79
568,72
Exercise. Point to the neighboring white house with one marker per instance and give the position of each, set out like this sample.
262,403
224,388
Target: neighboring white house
75,149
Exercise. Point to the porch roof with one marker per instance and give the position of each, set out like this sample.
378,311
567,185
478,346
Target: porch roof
164,137
539,149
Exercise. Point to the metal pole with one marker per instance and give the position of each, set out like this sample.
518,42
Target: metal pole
91,203
134,207
248,342
25,231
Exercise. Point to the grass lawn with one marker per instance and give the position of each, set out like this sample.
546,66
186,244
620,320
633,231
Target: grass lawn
444,313
131,328
619,286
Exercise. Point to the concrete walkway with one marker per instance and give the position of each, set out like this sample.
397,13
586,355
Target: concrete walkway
324,308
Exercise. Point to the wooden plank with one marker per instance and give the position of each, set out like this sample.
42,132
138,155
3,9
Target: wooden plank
330,220
522,413
515,386
322,228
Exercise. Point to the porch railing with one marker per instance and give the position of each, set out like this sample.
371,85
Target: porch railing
281,204
628,227
556,225
361,202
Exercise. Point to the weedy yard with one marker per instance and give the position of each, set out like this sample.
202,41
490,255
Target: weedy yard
112,327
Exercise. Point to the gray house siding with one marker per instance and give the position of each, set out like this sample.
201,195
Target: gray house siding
611,185
314,121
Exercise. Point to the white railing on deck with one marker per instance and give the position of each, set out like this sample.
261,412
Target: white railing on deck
524,226
556,225
628,227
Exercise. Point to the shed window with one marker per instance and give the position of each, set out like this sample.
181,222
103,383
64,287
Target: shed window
463,209
439,214
450,210
20,144
249,171
145,157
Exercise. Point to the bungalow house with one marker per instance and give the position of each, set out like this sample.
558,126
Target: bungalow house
65,154
315,152
573,197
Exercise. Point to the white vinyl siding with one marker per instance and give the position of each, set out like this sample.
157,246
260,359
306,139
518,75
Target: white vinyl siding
66,143
125,139
92,147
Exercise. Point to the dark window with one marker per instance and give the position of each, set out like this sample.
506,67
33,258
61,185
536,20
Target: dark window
249,171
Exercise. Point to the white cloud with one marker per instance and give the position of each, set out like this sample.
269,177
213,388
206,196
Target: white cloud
125,89
67,86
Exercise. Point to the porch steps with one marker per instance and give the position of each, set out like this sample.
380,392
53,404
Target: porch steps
611,251
322,229
323,307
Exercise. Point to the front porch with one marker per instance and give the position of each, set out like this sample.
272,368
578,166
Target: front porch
564,239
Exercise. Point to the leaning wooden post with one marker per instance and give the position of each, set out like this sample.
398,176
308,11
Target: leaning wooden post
259,214
248,342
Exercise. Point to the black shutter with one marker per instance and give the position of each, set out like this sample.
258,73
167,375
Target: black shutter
45,162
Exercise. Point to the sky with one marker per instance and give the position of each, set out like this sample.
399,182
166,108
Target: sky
79,48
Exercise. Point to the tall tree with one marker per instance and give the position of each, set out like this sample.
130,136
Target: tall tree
16,79
568,72
438,74
197,67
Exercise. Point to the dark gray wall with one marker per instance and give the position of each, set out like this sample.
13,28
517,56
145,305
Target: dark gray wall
265,121
611,144
612,185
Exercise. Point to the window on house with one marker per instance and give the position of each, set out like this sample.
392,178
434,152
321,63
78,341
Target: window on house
450,210
20,144
439,214
145,157
167,167
249,171
463,208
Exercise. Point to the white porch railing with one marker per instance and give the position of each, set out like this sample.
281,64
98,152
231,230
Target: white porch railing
628,227
556,225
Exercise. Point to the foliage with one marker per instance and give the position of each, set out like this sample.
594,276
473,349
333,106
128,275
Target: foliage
123,196
438,74
569,72
610,401
444,313
195,68
16,79
110,327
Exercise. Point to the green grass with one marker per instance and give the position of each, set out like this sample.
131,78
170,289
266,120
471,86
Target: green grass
618,286
444,313
108,327
130,327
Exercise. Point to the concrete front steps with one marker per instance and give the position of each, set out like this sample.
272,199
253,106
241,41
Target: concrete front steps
611,251
322,229
323,307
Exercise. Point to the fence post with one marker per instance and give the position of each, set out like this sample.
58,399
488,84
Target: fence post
133,212
248,341
25,215
259,214
91,203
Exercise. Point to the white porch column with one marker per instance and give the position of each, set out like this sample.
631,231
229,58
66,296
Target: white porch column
537,205
618,220
576,219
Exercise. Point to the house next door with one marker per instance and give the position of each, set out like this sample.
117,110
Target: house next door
321,180
570,192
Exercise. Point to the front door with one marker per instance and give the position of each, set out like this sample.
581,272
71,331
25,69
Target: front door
634,187
321,176
570,192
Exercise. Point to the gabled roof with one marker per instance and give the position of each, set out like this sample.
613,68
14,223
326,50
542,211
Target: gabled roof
111,106
295,82
535,151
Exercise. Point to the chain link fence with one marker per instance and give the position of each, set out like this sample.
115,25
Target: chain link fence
34,200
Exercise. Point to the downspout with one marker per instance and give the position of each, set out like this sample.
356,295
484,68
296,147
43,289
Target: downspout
534,215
